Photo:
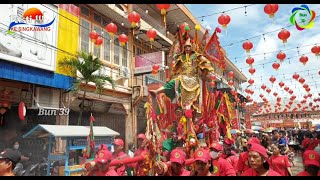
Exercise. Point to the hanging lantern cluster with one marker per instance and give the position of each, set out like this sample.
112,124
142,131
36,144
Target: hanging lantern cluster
95,38
224,20
133,18
271,9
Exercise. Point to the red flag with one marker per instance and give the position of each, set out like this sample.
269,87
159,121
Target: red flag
204,41
213,51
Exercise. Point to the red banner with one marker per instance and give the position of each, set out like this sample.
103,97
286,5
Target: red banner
247,121
235,119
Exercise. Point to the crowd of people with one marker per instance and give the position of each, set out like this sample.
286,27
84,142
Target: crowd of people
245,154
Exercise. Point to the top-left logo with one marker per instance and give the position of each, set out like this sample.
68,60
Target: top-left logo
32,20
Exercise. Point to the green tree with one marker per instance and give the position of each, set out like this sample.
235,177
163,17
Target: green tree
89,69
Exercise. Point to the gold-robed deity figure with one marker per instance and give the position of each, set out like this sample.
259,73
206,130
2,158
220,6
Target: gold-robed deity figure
184,86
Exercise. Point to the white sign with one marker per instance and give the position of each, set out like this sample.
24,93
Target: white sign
32,36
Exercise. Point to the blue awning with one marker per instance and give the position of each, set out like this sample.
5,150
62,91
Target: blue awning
18,72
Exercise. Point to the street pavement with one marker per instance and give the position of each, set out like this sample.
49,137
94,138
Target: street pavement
298,165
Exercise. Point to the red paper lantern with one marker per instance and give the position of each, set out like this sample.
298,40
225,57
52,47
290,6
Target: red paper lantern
302,80
268,90
305,86
281,84
303,59
250,61
310,95
316,50
212,84
261,95
275,94
252,70
308,89
284,35
286,88
98,41
290,92
224,20
272,79
163,8
263,87
123,39
271,9
152,34
275,66
247,46
112,29
156,67
231,74
93,35
279,99
154,72
213,77
281,56
251,81
295,76
133,18
230,83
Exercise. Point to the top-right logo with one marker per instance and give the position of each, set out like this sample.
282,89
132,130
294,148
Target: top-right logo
302,17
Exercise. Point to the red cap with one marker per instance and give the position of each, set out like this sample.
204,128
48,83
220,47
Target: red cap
259,149
141,136
253,140
216,146
228,141
118,142
103,156
177,156
311,157
202,155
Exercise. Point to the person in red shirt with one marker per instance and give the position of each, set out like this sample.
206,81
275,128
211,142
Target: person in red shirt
258,160
219,166
100,165
139,166
280,163
174,167
228,154
311,164
243,163
119,154
201,163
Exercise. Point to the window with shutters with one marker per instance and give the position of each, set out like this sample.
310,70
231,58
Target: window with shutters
125,56
97,49
116,57
84,31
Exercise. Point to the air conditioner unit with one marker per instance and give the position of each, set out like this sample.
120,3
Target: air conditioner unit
46,98
125,72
